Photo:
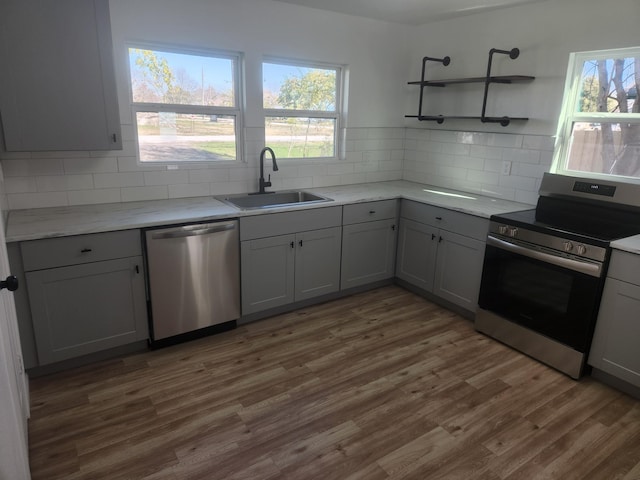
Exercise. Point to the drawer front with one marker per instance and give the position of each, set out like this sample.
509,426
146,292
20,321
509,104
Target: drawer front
75,250
369,211
457,222
270,225
625,266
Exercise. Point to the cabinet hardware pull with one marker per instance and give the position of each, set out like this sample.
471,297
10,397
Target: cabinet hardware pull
114,138
86,250
393,227
439,239
371,212
10,283
292,244
438,218
137,269
300,243
433,236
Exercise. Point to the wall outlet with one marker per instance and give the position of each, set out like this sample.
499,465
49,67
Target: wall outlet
506,167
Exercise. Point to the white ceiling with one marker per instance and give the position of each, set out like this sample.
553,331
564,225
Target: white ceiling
414,12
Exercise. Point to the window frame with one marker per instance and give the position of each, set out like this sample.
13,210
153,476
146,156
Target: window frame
569,113
337,115
235,111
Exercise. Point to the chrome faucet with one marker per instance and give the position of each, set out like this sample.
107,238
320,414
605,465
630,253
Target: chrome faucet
262,183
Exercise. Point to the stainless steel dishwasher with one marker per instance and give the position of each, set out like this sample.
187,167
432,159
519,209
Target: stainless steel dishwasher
194,280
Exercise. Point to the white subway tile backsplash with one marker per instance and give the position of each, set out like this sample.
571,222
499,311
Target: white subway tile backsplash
519,155
86,197
166,178
130,164
504,140
340,169
209,175
18,201
62,183
116,180
230,188
20,185
134,194
538,142
485,178
32,167
90,165
469,161
190,190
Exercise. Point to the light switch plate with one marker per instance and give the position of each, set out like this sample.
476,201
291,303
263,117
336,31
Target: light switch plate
506,167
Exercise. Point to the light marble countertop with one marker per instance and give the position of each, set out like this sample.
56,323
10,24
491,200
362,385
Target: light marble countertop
629,244
41,223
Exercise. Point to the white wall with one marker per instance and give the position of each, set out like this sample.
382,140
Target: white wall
545,33
374,52
380,57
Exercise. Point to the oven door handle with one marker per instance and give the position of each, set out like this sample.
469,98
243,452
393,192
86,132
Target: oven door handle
588,268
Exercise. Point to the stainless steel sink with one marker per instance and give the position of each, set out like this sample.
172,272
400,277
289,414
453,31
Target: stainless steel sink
273,200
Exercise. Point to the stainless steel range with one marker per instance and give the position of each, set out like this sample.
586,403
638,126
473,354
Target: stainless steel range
544,268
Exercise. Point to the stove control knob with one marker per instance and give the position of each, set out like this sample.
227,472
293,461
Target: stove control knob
567,246
513,231
502,229
581,249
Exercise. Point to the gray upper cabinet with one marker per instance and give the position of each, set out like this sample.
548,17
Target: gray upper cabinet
441,251
289,257
369,235
86,293
617,335
57,88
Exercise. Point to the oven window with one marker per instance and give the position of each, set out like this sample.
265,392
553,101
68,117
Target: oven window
554,301
532,283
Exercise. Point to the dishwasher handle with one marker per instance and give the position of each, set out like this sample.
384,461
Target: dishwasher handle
193,231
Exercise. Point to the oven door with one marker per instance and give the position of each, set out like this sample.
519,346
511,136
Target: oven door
552,294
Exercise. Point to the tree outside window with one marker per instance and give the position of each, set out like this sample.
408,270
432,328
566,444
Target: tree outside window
599,129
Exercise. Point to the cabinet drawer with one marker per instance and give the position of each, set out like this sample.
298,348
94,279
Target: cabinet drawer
63,251
369,211
270,225
462,223
625,266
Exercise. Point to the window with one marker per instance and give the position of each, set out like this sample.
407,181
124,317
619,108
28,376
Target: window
599,126
185,105
302,109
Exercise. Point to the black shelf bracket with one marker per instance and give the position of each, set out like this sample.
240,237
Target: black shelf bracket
444,61
487,80
504,121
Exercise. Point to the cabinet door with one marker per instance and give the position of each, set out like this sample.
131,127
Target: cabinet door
87,308
458,269
57,88
317,263
368,252
416,260
617,335
267,272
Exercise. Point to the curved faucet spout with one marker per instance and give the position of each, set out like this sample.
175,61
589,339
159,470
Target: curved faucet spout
262,182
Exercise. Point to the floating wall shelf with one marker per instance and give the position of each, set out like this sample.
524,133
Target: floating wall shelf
488,79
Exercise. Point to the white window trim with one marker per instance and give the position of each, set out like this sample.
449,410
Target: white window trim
569,114
236,111
337,115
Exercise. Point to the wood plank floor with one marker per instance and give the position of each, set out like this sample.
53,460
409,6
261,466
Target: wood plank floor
380,385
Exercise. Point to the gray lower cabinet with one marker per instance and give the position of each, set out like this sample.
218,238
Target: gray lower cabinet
617,335
441,251
417,249
268,272
277,270
369,238
86,293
